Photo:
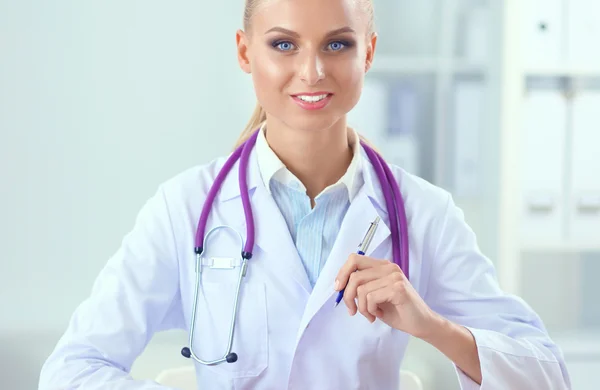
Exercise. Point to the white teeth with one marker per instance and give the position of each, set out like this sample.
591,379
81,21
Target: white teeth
312,99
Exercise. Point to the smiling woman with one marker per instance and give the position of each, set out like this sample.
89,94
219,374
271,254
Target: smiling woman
255,280
343,30
308,63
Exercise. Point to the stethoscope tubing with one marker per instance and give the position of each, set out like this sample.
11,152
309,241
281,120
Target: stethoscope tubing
394,204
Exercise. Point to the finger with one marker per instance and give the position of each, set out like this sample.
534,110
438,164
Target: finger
352,264
355,262
357,279
362,302
377,297
377,284
393,293
382,268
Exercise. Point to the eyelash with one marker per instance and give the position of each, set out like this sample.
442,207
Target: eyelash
345,45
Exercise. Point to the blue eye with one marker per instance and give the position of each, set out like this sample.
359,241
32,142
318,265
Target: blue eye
337,45
284,45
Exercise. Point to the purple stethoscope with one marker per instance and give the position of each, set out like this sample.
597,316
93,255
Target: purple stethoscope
394,205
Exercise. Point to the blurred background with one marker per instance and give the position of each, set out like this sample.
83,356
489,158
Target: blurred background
496,101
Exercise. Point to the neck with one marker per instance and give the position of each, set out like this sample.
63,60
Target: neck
317,158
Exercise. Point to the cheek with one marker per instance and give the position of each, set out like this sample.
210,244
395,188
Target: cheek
350,79
269,77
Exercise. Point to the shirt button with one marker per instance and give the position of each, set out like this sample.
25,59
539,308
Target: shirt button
295,185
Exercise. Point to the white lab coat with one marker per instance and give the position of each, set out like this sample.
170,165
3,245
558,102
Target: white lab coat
290,336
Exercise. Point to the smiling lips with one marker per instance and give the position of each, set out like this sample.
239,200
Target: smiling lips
312,100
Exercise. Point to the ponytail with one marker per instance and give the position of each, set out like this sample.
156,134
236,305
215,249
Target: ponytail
256,120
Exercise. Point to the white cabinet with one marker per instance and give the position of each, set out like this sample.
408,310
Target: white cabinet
584,202
583,34
559,35
542,30
560,169
543,165
550,189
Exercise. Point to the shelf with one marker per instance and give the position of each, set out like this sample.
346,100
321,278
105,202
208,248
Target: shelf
564,72
416,65
565,247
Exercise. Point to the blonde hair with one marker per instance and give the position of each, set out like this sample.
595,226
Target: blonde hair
259,116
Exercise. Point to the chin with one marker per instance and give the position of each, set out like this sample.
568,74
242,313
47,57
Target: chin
312,124
313,121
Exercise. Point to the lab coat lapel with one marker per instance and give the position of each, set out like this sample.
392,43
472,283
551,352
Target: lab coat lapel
359,216
271,232
273,237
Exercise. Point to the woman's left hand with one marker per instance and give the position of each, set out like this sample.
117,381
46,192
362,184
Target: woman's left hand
383,291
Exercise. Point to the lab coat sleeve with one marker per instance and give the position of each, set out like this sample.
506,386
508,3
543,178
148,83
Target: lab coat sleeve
135,295
514,348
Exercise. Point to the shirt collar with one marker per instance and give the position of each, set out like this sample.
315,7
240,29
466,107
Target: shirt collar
272,168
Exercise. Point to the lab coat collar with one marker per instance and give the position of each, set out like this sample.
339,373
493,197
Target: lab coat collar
231,187
367,179
371,183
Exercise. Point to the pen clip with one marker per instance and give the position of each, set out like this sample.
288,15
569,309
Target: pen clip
364,245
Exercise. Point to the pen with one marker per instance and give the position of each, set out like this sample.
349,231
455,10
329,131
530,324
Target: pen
362,249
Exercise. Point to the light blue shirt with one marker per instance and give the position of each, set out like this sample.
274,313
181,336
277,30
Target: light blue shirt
313,230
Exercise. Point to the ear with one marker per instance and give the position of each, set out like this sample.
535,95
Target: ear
241,41
371,46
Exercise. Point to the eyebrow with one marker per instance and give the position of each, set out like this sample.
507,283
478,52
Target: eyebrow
296,35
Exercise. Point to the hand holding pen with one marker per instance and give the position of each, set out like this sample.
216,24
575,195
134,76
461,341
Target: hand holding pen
362,249
379,289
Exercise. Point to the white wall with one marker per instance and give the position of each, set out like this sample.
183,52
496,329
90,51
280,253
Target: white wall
102,101
99,103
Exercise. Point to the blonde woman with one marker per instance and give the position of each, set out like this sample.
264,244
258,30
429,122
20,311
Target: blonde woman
268,235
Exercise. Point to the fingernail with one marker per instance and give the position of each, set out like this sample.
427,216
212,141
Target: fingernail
337,285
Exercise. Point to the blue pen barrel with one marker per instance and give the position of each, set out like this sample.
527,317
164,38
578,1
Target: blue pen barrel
362,249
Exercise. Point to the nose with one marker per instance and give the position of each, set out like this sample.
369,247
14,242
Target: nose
312,69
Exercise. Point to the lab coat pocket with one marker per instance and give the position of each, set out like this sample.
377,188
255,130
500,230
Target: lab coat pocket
213,322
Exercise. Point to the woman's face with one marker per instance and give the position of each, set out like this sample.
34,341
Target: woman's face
308,59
